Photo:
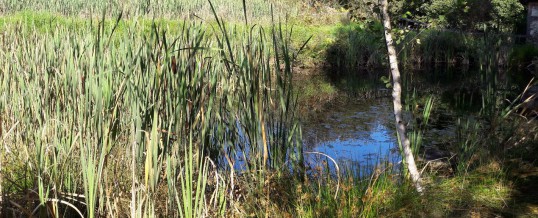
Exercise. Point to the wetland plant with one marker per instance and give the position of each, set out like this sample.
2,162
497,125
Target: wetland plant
115,121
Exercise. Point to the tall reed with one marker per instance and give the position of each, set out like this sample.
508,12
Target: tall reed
184,9
116,121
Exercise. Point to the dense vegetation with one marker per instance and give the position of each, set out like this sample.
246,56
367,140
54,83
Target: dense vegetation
191,109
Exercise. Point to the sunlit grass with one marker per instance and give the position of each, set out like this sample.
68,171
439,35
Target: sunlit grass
90,101
141,117
179,9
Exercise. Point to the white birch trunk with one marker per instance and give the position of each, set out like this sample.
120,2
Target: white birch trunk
397,99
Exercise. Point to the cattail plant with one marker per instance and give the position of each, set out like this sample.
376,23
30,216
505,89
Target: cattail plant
117,120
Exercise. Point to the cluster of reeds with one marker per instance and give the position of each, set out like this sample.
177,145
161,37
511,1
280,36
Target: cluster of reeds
109,121
229,9
357,45
361,190
459,48
421,112
356,49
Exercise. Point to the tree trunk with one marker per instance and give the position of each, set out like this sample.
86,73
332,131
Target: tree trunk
397,99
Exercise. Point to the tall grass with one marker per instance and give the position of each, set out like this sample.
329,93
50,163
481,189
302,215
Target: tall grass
233,10
469,138
357,48
116,122
420,124
370,195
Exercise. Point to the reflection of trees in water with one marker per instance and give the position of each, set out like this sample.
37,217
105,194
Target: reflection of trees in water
349,121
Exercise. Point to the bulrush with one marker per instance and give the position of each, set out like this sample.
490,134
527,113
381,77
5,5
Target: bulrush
173,64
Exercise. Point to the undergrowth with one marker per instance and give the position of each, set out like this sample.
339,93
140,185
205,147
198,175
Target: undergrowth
141,117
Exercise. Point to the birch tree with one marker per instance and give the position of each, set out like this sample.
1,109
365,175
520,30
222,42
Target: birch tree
397,99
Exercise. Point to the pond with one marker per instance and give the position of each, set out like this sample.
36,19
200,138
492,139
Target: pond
354,134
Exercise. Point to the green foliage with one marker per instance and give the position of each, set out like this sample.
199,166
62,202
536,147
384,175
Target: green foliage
468,136
369,196
506,13
422,111
358,47
362,10
484,191
468,15
523,59
523,55
440,46
500,15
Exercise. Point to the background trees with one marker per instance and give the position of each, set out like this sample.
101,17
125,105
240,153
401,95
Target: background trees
467,15
470,15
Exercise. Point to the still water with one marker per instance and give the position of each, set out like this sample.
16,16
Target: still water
354,134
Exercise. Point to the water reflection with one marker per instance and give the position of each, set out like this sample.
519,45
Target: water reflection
355,134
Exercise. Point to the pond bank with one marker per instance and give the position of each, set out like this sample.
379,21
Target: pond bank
472,165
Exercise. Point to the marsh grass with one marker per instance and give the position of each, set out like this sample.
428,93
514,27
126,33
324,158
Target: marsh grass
124,120
421,109
124,115
355,50
195,9
360,191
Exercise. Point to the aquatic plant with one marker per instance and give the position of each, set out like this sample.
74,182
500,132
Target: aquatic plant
192,9
112,113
